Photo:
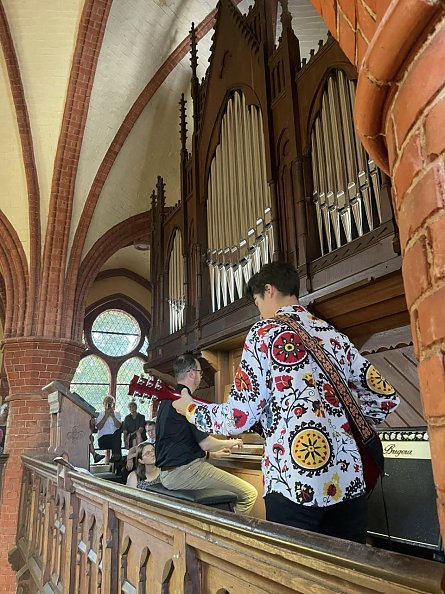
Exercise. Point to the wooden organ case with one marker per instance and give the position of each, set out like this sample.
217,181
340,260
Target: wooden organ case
276,171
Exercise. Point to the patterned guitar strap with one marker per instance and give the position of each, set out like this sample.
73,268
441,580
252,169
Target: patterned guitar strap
355,414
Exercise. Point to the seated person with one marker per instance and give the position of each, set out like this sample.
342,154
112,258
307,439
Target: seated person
109,425
181,448
4,410
150,431
146,472
133,426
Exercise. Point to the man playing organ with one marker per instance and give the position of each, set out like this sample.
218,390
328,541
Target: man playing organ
181,448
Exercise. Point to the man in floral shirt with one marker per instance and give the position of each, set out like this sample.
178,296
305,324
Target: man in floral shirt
313,474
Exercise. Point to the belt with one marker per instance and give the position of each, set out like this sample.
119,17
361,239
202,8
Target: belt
168,468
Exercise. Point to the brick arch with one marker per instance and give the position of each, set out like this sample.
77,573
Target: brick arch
119,236
14,269
137,278
32,182
2,300
399,48
86,54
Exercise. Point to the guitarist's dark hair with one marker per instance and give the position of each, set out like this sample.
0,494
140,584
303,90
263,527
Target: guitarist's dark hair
183,364
280,275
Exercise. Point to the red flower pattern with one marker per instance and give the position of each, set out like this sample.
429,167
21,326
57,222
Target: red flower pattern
283,382
263,348
242,381
239,417
330,395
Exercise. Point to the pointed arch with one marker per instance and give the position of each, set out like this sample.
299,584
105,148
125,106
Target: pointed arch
119,236
29,165
86,54
14,269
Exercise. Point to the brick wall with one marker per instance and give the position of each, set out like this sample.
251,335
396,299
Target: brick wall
31,363
398,47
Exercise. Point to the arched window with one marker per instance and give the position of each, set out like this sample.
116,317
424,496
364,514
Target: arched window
129,368
117,342
92,380
115,333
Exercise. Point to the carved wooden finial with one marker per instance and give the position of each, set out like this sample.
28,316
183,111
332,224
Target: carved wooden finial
160,186
286,17
193,50
183,124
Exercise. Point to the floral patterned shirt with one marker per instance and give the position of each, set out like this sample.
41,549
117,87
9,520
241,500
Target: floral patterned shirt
310,455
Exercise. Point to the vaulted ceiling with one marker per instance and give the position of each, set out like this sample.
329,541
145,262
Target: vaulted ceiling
137,52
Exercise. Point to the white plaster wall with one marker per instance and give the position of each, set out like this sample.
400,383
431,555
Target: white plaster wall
151,149
44,34
129,257
119,284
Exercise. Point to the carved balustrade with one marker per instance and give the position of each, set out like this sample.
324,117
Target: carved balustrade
78,533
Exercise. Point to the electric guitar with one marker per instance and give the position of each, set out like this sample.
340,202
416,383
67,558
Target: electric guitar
153,387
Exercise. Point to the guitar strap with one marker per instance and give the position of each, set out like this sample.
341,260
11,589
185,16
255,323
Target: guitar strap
367,434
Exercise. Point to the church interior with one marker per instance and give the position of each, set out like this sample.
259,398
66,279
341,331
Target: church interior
156,154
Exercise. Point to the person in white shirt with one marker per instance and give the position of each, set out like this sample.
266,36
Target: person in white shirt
109,429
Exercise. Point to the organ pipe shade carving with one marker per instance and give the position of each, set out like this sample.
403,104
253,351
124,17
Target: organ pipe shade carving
346,181
176,298
239,222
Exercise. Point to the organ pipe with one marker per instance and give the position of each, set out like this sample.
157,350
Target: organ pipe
346,183
176,299
239,223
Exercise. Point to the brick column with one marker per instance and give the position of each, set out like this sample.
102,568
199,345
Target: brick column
415,129
30,364
398,47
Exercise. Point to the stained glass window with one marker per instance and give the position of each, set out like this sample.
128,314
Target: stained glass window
115,333
130,367
114,340
92,380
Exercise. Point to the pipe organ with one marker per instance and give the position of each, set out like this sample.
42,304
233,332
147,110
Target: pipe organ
346,182
176,299
273,169
240,236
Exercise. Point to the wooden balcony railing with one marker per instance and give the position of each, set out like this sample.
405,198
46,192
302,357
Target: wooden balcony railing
79,534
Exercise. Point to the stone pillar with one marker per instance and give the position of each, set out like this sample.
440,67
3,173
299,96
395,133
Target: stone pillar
30,364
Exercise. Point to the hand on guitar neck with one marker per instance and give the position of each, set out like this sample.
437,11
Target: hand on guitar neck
153,387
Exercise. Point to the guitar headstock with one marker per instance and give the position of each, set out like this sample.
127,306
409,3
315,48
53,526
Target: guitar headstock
151,387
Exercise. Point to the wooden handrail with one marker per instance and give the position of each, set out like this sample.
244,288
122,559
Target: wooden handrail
99,525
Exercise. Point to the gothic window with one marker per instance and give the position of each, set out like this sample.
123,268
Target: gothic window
116,340
92,380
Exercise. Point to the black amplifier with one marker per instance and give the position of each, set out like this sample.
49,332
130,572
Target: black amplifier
408,489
